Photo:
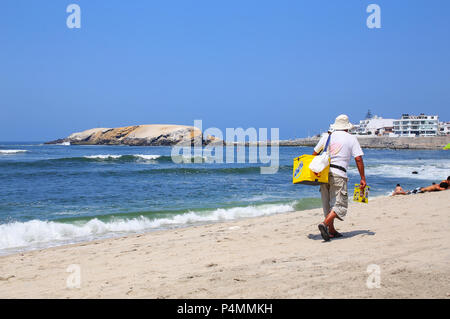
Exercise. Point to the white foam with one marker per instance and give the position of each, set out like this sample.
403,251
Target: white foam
110,156
7,152
147,157
190,158
27,235
433,170
107,156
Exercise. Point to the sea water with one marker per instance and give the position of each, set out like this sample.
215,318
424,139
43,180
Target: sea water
57,194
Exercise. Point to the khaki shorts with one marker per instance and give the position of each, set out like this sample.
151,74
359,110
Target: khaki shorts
335,196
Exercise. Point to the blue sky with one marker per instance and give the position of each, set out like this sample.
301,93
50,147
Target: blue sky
294,64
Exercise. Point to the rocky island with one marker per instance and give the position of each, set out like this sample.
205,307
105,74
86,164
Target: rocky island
139,135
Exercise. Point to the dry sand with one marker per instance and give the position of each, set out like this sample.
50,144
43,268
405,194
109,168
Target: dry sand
279,256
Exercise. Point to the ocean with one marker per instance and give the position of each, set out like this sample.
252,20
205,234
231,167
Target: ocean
59,194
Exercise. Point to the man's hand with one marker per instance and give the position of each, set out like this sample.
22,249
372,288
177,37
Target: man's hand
362,184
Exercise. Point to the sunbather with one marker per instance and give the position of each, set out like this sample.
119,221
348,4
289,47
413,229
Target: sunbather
399,191
435,188
442,186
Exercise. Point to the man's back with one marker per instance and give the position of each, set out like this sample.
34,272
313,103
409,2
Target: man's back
343,146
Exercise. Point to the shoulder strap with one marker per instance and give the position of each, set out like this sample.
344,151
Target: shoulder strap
328,142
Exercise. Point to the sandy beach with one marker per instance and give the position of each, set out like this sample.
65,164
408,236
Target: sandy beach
278,256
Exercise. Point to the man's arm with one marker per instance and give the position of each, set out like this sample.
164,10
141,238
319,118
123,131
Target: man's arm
320,144
360,165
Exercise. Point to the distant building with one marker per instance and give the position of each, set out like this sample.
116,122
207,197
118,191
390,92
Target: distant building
444,128
421,125
375,126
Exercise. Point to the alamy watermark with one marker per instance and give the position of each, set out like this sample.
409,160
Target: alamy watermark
74,279
374,19
73,21
374,279
235,145
74,18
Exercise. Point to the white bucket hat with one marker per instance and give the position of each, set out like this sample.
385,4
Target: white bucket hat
341,123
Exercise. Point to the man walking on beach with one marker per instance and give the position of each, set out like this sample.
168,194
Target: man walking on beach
343,146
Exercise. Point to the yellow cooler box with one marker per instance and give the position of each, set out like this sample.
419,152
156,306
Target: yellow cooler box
303,175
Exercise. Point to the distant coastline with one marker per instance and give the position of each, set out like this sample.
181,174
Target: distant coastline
414,143
420,142
169,135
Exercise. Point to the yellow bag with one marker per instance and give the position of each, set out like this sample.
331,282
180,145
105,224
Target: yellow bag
361,196
303,175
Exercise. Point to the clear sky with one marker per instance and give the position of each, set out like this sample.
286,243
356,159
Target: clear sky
294,64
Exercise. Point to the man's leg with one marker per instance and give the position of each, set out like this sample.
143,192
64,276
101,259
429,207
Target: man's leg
337,200
325,195
338,203
329,214
329,222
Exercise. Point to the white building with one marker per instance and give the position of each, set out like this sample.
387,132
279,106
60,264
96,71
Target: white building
444,128
374,126
421,125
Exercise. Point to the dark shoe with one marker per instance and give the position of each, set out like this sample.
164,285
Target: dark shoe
324,232
336,235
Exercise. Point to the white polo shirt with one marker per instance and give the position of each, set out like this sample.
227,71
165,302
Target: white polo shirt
343,146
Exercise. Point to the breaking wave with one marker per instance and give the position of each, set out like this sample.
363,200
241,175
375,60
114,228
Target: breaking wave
17,236
106,158
122,157
7,152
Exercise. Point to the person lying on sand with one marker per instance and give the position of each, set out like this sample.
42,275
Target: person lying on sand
435,187
399,191
432,188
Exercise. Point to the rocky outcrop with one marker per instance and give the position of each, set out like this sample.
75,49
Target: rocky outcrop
139,135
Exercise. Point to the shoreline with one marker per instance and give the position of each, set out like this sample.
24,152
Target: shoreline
276,256
167,226
76,241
